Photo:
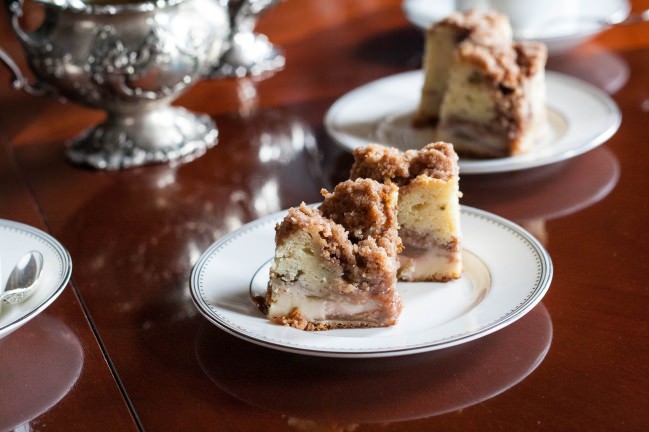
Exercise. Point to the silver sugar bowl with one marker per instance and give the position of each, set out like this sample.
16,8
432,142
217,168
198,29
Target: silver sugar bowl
130,59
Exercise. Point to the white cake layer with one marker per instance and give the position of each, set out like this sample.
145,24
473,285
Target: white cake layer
430,207
306,282
438,54
316,308
432,264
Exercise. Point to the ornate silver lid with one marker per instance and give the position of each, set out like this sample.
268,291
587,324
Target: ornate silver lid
108,7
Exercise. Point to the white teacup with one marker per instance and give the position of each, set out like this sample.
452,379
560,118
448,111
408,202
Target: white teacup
528,18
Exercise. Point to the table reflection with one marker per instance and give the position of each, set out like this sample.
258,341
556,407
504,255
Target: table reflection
153,210
186,208
341,393
139,250
41,362
594,64
532,197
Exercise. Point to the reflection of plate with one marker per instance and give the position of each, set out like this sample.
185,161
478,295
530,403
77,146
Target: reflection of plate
558,36
15,240
547,192
488,297
594,64
340,391
581,117
40,364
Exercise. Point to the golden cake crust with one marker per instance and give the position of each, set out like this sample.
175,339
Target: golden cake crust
296,320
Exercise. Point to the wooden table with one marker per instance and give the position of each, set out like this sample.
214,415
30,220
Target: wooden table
144,358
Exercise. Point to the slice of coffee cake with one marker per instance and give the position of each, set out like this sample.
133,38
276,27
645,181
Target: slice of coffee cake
335,266
442,40
482,91
428,206
495,100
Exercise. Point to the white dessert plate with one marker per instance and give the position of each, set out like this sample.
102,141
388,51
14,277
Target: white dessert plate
507,272
588,18
16,239
580,118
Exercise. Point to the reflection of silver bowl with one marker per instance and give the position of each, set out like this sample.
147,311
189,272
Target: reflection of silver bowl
248,53
130,59
380,390
41,363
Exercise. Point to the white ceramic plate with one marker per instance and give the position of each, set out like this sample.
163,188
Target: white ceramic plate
581,117
507,272
558,36
16,239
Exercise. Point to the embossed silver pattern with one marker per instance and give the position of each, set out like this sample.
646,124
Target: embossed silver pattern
248,53
131,60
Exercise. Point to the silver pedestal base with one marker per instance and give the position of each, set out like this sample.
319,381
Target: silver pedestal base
250,54
157,136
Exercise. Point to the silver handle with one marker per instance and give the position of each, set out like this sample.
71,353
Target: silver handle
18,79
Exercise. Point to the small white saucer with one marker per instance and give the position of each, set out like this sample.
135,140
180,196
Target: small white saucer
16,239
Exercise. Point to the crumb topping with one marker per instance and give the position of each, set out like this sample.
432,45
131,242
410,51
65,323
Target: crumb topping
531,56
486,27
437,160
379,162
506,64
374,161
505,70
366,208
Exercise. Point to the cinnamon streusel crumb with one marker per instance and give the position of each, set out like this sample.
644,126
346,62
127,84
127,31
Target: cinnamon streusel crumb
437,160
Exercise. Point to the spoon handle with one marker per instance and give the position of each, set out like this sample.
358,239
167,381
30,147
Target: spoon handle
17,295
24,278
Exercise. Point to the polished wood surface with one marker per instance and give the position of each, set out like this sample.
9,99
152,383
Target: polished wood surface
53,370
150,361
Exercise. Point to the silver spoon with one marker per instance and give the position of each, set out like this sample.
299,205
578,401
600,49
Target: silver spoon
23,279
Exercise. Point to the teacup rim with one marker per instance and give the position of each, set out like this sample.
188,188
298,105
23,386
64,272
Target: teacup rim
111,9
